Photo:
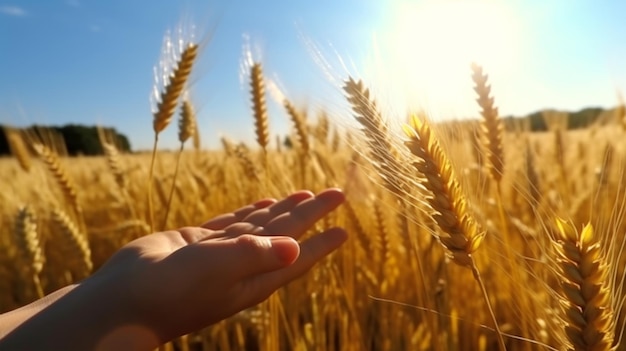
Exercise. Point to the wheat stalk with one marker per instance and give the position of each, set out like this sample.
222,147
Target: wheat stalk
492,125
75,242
115,164
461,235
322,128
243,156
186,128
227,146
68,188
259,108
187,125
620,110
299,125
335,141
586,291
166,107
27,240
18,148
376,132
171,92
533,178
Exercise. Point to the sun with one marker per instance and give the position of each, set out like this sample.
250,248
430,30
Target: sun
426,49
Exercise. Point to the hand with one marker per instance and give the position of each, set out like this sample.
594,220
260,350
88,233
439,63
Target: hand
175,282
187,279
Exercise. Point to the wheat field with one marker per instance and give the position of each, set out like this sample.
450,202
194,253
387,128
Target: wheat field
463,235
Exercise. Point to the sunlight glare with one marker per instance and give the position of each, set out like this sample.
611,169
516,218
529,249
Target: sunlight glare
427,48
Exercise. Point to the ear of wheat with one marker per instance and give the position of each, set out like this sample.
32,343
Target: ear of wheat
75,243
187,122
18,148
173,89
586,290
492,125
29,246
299,125
115,164
51,159
27,239
376,132
259,108
461,234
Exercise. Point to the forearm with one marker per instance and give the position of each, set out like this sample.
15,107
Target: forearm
89,316
13,319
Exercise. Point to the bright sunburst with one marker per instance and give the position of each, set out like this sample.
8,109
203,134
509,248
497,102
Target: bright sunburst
426,49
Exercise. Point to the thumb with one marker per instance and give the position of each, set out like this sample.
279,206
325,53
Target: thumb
262,254
237,258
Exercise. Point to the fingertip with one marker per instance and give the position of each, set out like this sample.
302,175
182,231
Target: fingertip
301,195
286,249
337,235
332,195
264,203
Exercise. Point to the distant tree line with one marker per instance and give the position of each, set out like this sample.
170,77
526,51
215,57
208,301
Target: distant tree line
83,140
78,139
541,120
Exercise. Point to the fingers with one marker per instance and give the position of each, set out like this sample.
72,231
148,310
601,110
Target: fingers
311,252
223,221
301,217
261,217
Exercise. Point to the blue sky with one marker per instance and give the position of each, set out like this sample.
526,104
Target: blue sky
87,61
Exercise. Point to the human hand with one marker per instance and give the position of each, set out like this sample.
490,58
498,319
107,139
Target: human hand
179,281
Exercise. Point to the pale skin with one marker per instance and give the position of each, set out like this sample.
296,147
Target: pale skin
171,283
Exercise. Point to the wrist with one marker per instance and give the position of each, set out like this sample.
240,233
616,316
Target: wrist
96,308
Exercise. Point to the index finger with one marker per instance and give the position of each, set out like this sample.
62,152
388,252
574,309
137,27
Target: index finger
295,222
222,221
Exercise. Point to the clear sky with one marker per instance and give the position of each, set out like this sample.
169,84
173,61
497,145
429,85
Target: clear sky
87,61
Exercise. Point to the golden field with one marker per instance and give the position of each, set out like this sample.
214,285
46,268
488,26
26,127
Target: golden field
463,236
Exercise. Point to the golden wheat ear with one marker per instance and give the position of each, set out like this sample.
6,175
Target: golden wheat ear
115,164
167,105
462,235
259,108
18,148
27,239
66,184
187,125
172,91
585,287
376,132
75,243
492,124
299,125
